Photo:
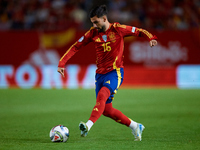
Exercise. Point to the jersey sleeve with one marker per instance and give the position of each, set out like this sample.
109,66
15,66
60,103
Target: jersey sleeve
84,40
134,31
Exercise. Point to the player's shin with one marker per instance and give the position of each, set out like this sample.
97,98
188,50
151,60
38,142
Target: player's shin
116,115
98,109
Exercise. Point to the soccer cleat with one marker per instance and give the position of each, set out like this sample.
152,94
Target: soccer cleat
138,132
84,129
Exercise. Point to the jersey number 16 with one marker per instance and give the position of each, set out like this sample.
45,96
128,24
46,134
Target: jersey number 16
106,47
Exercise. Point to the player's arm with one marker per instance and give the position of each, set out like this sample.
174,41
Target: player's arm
144,33
84,40
134,31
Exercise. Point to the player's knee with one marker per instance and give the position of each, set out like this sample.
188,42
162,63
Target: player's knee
108,111
103,94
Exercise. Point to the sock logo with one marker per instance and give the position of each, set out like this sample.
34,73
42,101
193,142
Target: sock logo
95,109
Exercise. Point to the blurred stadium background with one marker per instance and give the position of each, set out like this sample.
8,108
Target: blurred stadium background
34,34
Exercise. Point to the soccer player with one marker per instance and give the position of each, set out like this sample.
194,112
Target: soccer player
109,45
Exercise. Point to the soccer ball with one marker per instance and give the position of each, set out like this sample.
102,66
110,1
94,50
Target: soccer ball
59,133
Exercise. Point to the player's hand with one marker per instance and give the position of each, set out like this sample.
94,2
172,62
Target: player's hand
153,43
61,71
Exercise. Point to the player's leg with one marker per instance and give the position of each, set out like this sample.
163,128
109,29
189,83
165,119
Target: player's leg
119,117
115,80
116,115
105,85
111,82
102,94
97,111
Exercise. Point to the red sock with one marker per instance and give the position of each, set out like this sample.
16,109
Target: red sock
116,115
98,109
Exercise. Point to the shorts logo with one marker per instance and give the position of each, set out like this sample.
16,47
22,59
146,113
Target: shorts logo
108,82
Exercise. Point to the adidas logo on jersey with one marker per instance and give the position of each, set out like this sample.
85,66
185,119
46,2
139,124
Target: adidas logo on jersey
98,40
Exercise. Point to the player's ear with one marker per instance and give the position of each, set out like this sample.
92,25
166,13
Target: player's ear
104,18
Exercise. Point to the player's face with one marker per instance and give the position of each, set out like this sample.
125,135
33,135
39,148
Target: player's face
98,23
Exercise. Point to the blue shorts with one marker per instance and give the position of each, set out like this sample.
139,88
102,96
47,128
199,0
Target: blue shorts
112,80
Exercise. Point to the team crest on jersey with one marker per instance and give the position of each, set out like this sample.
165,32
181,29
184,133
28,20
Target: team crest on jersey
104,37
112,37
81,39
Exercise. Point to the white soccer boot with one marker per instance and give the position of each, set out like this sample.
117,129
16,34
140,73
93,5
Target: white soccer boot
138,132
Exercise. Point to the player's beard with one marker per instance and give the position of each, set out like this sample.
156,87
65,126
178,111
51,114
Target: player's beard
102,29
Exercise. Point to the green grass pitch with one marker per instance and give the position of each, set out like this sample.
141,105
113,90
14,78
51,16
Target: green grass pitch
171,118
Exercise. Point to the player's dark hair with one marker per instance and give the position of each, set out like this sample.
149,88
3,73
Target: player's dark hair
98,11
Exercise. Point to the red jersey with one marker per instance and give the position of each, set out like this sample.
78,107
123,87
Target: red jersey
109,46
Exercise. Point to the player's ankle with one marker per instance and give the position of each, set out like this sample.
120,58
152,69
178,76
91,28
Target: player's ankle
89,124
